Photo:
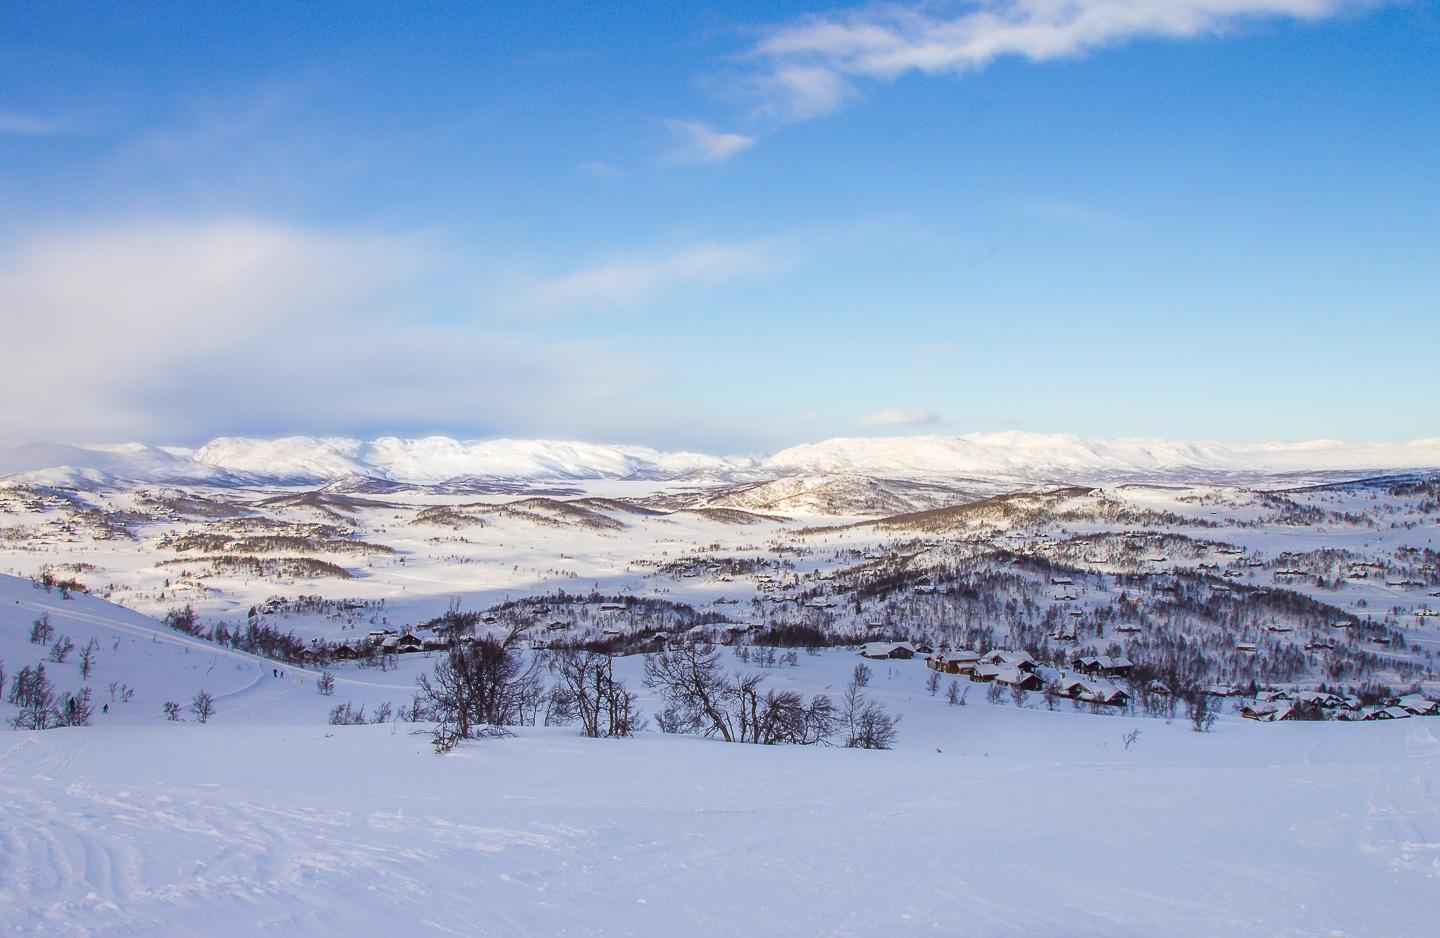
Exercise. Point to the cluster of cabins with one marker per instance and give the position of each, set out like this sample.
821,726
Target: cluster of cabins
390,642
1093,684
1281,705
1017,669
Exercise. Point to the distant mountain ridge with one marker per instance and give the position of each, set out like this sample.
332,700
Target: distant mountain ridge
1012,456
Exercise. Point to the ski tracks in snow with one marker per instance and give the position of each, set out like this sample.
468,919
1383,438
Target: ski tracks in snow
1402,817
76,859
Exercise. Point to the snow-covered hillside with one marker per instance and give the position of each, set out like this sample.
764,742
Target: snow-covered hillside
1071,458
985,820
1011,457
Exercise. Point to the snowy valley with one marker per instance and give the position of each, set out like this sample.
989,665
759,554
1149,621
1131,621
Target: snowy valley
1140,689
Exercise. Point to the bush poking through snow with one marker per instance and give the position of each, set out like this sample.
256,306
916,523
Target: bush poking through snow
172,711
346,715
183,620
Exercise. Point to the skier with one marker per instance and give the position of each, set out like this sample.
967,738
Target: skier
105,709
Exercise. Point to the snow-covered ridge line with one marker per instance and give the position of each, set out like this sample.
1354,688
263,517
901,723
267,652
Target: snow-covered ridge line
1010,455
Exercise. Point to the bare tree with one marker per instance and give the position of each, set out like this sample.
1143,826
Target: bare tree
1200,711
861,675
325,683
87,658
76,710
932,683
42,631
867,725
773,718
953,696
61,649
203,706
172,711
479,689
694,688
589,690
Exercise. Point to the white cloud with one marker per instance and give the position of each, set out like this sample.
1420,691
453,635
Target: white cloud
108,317
810,65
899,417
636,279
181,330
698,142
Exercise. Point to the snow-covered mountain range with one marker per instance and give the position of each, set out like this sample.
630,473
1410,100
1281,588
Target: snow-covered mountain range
1010,456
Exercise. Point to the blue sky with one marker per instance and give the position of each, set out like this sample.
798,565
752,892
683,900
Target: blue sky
725,227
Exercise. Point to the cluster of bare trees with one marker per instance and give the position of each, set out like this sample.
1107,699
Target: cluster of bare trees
479,689
701,698
347,714
588,691
40,707
202,707
42,631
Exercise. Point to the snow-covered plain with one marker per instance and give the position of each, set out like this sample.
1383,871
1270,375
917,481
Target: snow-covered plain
985,820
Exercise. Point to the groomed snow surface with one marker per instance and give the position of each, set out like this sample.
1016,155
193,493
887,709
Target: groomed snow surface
985,820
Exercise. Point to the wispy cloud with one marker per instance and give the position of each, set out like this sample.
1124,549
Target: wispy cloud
699,142
598,169
631,280
899,417
28,125
810,67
